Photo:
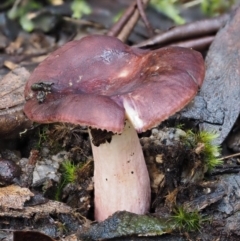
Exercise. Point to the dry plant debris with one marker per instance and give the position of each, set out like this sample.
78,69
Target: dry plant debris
51,207
12,119
14,197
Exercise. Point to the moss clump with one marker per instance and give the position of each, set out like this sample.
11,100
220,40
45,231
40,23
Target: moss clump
69,172
188,221
203,144
69,175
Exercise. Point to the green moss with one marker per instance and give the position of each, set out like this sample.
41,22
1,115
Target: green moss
211,152
188,221
44,138
203,144
69,172
69,175
43,135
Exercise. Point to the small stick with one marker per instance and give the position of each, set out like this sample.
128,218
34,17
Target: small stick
144,18
126,23
126,30
197,44
226,157
117,27
186,31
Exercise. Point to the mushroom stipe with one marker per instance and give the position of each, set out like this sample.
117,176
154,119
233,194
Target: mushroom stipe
104,84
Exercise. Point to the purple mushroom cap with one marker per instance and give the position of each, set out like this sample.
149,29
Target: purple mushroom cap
98,80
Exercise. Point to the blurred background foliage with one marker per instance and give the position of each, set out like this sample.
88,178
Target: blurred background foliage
209,7
25,11
30,12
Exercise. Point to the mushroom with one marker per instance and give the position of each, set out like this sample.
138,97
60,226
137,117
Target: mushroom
110,87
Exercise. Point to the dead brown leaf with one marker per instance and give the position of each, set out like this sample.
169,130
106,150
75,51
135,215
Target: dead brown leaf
51,207
14,196
171,198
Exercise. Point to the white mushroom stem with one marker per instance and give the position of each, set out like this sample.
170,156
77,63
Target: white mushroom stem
121,179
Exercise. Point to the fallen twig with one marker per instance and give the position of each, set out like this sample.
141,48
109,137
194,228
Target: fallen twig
126,23
229,156
144,18
187,31
117,27
197,44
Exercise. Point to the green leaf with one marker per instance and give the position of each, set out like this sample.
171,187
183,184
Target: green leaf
216,7
169,8
26,23
80,7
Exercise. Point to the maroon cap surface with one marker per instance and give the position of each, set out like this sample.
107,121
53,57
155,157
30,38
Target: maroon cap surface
98,81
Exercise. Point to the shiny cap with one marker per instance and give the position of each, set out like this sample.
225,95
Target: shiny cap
98,81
